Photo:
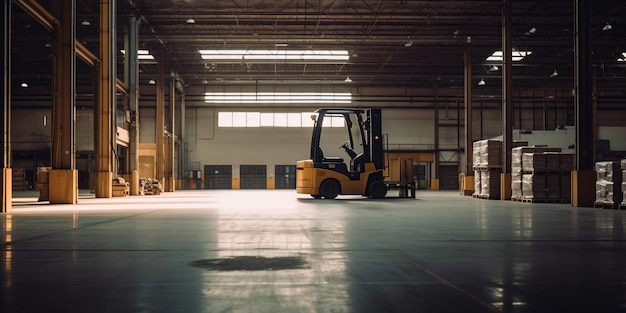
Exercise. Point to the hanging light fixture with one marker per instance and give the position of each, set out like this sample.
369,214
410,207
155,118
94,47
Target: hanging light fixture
607,27
348,80
152,82
494,68
481,82
554,74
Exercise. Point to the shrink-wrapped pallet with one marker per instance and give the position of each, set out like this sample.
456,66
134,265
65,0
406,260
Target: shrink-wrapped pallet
534,186
477,184
534,161
476,149
491,152
609,183
516,186
490,183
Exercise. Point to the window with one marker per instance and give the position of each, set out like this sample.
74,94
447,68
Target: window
278,119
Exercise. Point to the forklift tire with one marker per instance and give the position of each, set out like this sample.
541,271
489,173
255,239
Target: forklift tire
378,189
316,196
330,189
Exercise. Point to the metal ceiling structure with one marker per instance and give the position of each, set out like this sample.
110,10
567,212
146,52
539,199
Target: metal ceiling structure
392,44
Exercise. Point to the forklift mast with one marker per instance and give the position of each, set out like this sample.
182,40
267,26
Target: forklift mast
376,138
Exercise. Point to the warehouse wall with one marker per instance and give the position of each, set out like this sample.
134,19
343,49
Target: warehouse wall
209,144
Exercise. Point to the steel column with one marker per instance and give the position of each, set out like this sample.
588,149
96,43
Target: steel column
583,179
507,100
468,182
160,123
105,143
169,166
6,180
434,184
131,79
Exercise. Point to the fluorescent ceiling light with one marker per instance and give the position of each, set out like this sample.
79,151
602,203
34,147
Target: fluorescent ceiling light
274,55
277,97
142,54
516,56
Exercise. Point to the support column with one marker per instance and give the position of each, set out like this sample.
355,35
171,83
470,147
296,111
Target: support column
63,177
583,179
104,141
131,79
160,124
468,181
6,177
434,182
169,165
507,101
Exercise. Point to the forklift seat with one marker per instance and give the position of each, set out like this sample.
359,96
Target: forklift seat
320,155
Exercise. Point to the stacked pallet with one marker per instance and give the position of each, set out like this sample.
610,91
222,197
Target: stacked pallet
541,174
19,179
609,184
150,186
120,187
42,183
487,156
487,160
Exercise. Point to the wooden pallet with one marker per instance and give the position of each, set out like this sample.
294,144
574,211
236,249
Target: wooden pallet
603,205
486,197
539,200
487,167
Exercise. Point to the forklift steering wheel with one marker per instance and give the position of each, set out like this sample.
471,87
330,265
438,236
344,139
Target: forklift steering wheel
348,149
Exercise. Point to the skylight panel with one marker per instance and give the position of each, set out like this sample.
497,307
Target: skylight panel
278,97
275,55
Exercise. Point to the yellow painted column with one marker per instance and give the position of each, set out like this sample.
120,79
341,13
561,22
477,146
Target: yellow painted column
583,188
434,184
506,179
63,177
7,190
62,186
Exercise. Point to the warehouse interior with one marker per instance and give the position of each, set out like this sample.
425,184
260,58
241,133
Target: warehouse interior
134,131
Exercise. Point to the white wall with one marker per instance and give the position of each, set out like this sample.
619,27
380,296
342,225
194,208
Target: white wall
212,145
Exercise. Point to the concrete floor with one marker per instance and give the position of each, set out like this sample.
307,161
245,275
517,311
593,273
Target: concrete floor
276,251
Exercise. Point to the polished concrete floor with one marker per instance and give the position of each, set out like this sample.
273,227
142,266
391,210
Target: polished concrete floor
276,251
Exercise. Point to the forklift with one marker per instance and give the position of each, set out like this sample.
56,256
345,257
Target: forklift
361,173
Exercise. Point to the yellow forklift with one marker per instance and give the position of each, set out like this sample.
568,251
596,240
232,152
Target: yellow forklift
362,172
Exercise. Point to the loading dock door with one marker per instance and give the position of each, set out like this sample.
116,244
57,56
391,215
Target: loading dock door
253,177
448,177
218,177
285,176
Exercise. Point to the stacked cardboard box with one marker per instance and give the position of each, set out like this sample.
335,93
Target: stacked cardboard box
609,184
42,183
487,153
19,179
487,157
541,173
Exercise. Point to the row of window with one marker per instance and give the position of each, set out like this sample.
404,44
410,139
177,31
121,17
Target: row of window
258,119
